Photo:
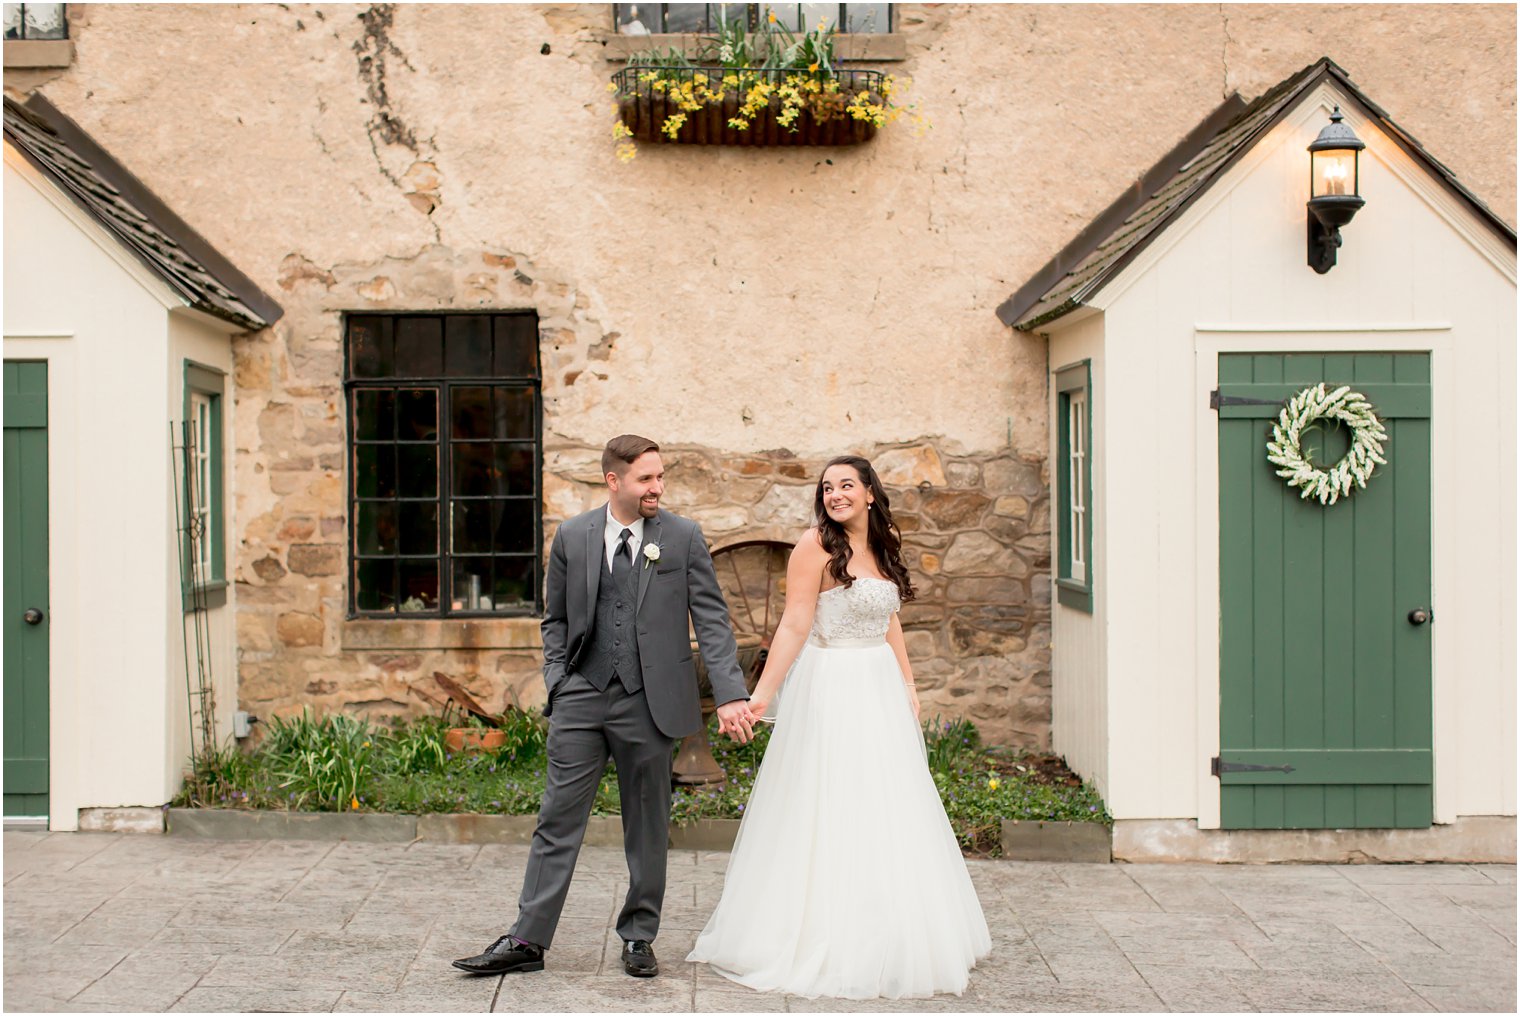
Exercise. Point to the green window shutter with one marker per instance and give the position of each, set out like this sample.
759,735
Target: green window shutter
1074,506
210,384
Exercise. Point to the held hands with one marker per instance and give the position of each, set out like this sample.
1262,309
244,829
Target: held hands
737,720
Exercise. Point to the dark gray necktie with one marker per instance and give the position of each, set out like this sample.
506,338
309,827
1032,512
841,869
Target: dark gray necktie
622,560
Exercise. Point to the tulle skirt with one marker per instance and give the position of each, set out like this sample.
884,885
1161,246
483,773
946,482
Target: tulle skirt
846,879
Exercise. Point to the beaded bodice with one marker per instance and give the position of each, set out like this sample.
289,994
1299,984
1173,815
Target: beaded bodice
862,610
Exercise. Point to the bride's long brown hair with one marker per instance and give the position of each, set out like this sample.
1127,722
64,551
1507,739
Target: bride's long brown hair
882,533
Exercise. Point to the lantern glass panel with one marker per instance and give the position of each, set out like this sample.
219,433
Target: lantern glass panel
1334,173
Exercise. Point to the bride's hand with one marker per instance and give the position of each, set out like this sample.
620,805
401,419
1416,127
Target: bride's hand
913,701
758,706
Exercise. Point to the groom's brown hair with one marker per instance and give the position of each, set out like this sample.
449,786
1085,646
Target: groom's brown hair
624,449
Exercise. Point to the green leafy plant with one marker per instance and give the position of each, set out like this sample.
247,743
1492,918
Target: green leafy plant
324,761
339,763
746,72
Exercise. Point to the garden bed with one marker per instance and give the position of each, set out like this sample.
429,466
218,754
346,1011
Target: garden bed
339,764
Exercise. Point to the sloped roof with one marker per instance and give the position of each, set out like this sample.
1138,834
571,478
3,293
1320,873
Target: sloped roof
116,199
1154,201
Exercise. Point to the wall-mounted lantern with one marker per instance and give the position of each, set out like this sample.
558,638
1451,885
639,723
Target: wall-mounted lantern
1334,185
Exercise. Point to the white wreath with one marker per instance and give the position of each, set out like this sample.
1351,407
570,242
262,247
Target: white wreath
1310,406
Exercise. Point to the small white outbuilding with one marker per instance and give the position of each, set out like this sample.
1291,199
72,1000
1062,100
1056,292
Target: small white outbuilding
118,325
1244,673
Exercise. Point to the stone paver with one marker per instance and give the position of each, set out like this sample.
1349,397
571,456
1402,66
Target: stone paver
121,922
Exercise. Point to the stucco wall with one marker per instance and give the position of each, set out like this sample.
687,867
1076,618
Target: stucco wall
727,302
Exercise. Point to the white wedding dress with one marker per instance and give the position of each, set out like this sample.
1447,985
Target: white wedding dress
846,879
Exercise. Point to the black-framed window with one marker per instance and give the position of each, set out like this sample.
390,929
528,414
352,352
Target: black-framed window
445,450
1074,521
36,21
657,19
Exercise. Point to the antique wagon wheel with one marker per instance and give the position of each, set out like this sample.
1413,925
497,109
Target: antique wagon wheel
752,576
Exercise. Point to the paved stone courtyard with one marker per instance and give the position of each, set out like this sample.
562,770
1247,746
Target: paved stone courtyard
99,921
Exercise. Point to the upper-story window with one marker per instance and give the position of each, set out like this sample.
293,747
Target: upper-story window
444,445
36,21
661,19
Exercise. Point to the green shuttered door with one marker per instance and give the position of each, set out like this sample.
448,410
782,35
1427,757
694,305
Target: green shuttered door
1325,693
26,587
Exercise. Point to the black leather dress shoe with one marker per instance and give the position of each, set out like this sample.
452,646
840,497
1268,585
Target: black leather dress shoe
505,956
638,959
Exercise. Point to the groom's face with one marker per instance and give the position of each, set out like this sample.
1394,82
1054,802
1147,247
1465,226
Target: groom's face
639,487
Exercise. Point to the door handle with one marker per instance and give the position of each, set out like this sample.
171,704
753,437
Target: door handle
1420,615
32,616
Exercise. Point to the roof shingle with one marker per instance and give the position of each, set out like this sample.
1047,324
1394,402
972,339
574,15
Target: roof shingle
120,202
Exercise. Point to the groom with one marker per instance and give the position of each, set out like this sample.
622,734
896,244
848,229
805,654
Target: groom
623,579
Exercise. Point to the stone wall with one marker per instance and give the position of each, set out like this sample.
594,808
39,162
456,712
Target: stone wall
729,303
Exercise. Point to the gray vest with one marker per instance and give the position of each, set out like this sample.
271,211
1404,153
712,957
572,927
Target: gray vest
614,649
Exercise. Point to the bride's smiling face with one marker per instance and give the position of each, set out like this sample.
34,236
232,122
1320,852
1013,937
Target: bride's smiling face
845,494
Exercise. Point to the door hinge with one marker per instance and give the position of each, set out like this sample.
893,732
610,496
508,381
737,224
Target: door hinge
1218,766
1216,400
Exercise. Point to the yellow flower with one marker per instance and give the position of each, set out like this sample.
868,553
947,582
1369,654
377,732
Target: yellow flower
612,86
771,17
354,804
813,66
992,784
366,744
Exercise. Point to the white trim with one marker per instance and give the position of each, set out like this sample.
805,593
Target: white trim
1444,705
1313,107
87,225
1297,328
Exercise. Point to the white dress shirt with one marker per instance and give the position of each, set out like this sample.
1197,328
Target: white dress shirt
614,532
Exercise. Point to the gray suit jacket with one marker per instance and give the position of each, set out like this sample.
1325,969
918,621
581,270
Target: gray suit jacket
681,583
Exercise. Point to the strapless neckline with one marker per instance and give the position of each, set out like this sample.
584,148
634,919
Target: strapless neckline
861,578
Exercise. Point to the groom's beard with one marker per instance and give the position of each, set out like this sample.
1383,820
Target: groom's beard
649,509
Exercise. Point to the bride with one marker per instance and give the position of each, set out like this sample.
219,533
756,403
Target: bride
846,879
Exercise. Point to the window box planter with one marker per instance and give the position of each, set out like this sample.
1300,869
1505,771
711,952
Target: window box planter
655,105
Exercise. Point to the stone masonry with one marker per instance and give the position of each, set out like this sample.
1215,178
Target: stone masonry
754,311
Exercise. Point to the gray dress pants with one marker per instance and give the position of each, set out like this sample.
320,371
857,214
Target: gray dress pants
585,728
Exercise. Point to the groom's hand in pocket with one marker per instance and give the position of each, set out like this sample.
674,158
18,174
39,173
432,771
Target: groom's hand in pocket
735,720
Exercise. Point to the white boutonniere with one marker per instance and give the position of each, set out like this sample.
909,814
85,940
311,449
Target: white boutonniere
651,553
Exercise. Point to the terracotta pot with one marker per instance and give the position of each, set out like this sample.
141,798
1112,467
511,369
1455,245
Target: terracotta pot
459,739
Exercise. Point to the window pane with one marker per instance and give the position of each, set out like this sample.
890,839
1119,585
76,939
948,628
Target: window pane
514,526
375,585
43,21
375,470
737,14
471,412
786,15
516,339
13,21
472,582
419,585
371,347
637,19
374,415
418,414
468,346
868,18
417,467
513,588
514,413
472,527
827,13
376,527
419,347
472,469
685,17
419,527
514,471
